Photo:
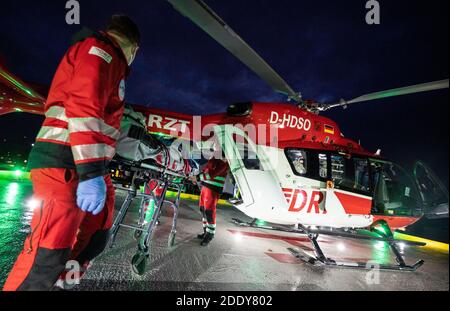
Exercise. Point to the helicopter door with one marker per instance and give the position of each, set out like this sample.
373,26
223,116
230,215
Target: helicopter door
432,191
258,186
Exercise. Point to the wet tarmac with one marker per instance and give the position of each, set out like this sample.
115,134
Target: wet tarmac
14,222
243,259
238,259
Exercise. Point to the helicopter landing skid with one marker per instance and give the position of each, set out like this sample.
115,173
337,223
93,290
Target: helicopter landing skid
321,260
351,265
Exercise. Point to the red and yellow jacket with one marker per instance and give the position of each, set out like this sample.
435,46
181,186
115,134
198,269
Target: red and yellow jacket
214,175
84,109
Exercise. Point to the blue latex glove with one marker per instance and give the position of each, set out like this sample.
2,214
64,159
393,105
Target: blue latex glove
91,195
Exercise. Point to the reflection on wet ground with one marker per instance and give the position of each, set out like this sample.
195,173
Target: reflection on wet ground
237,259
14,222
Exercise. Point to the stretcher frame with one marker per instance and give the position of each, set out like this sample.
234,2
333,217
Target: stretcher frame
142,175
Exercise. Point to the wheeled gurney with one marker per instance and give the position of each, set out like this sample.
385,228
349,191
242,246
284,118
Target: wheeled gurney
148,162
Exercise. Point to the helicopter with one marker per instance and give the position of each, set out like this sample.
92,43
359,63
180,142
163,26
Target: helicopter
305,176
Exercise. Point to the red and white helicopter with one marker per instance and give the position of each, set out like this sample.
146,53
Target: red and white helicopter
304,175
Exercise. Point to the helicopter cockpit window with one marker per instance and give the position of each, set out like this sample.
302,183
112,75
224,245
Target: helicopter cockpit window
298,161
433,192
309,163
338,169
350,173
394,192
362,180
323,165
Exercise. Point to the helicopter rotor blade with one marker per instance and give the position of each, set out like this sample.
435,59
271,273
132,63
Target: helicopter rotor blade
419,88
205,18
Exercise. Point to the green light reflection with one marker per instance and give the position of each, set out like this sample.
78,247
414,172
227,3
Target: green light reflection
11,193
14,222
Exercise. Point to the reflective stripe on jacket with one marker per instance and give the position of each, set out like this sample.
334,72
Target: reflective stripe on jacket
84,109
214,175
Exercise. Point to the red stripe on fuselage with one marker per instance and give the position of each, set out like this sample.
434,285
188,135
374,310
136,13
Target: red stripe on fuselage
397,222
354,205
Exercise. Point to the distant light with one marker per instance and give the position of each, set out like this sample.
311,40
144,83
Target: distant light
18,173
341,247
32,145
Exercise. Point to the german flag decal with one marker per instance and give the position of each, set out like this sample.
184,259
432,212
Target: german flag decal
329,129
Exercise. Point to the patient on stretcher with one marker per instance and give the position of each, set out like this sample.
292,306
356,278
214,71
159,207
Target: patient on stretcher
137,145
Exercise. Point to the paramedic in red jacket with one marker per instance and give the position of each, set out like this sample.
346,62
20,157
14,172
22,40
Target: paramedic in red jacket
69,161
212,180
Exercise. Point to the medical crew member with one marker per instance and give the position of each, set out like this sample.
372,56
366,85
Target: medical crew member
212,180
69,161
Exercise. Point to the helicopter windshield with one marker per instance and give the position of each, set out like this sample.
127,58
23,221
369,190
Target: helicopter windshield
393,191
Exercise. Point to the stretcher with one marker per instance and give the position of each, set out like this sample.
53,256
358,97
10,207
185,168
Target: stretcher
150,164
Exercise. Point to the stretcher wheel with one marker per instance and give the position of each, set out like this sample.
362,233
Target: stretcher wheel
139,263
171,241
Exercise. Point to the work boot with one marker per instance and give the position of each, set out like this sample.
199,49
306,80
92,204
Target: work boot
202,235
207,239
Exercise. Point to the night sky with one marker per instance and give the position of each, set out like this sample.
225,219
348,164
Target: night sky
323,49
